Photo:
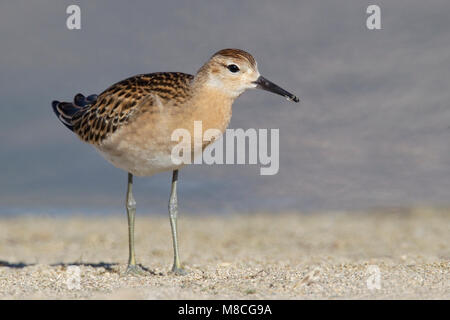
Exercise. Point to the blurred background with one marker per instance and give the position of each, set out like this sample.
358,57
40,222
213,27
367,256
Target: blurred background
372,128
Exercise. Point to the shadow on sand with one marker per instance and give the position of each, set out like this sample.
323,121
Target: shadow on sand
15,265
108,266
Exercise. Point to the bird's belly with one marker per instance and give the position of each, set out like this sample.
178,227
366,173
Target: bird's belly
141,162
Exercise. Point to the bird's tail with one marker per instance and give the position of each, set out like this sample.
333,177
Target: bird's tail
67,111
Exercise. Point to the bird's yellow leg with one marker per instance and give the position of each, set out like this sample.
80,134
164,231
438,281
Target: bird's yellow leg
173,213
132,268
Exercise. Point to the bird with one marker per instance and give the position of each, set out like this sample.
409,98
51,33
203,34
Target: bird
130,123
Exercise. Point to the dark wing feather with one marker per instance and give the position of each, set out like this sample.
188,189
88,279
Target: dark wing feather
94,118
65,111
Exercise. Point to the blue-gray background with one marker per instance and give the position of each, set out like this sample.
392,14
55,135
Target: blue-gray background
372,129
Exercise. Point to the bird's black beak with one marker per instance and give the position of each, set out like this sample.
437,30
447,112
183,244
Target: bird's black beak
263,83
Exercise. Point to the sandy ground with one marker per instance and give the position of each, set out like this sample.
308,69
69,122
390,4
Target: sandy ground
283,256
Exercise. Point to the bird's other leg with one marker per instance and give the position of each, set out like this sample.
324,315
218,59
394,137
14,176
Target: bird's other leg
173,213
131,212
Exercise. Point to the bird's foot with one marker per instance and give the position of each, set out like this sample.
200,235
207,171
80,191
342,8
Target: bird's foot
179,271
134,270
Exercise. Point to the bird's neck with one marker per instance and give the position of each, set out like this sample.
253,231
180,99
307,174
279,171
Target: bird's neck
210,105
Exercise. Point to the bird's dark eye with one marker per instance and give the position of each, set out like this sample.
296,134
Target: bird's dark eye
233,68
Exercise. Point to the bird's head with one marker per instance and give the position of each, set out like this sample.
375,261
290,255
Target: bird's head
233,71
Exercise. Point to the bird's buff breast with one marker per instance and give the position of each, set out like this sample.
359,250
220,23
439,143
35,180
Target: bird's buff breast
142,148
147,150
145,146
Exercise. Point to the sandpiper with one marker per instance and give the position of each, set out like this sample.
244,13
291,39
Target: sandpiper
131,122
